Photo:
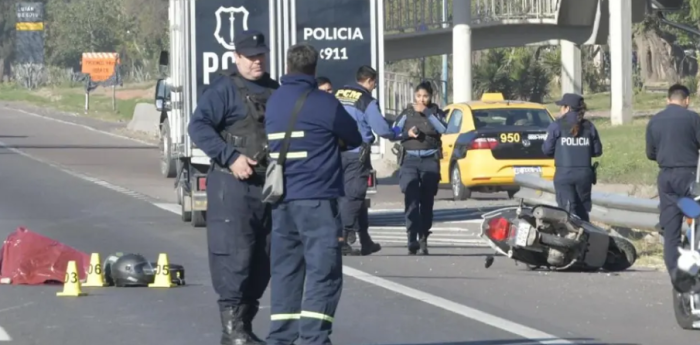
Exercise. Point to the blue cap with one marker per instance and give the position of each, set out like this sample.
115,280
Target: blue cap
250,43
570,99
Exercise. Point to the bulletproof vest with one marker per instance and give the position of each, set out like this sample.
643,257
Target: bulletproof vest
356,97
248,135
429,139
573,151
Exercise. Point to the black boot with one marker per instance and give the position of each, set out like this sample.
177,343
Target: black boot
423,243
249,312
350,236
233,329
347,250
413,245
368,246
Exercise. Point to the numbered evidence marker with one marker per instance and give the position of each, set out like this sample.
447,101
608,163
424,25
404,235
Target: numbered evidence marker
341,31
71,285
162,273
95,277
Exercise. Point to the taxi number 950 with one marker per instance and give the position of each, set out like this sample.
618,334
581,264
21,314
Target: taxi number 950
510,138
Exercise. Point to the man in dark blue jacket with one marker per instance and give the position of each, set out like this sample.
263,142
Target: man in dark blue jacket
305,223
673,141
364,109
228,125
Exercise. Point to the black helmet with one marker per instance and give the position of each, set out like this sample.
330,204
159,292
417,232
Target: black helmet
131,270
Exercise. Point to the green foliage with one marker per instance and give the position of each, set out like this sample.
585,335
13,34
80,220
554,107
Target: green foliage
516,73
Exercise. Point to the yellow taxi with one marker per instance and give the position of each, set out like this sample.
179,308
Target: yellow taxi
491,140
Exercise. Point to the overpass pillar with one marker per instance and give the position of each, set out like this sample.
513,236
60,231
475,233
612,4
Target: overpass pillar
621,87
571,76
461,51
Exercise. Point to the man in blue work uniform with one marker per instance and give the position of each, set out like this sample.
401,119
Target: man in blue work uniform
359,103
306,222
573,142
422,125
673,141
228,125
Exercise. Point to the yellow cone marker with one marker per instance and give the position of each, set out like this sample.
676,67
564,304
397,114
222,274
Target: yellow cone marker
95,277
162,272
71,285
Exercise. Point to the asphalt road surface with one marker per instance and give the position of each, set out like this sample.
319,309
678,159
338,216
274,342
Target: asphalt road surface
103,194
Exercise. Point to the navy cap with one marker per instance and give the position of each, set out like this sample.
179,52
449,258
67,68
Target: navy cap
250,43
570,99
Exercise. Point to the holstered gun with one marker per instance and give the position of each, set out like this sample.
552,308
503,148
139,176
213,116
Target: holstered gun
400,153
594,168
365,151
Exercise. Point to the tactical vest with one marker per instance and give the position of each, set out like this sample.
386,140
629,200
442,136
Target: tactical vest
429,138
573,151
356,97
248,135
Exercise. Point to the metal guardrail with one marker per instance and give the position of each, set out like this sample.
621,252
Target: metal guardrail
608,208
423,15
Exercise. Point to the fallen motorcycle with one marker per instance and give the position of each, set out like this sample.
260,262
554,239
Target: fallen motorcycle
550,237
686,290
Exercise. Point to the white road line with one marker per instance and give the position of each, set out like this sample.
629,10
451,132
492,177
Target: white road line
4,336
459,309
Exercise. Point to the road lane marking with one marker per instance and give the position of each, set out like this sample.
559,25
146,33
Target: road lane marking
459,309
4,336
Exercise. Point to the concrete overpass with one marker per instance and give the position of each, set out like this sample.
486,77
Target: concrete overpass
416,29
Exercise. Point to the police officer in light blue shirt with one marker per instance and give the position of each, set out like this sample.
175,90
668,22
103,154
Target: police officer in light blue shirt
419,176
359,103
573,142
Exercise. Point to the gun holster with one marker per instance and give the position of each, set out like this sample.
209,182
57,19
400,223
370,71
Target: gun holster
400,154
365,150
594,168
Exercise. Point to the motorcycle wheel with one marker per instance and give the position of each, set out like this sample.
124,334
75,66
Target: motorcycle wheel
681,309
621,255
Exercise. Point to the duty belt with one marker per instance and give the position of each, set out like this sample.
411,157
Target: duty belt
234,140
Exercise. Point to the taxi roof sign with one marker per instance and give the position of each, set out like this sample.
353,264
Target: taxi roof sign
492,96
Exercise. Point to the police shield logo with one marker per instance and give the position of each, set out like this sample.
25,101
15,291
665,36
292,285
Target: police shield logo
230,20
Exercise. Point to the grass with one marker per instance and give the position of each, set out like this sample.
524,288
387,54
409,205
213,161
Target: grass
644,102
73,99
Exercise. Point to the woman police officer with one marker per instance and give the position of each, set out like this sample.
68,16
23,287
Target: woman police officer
573,142
419,175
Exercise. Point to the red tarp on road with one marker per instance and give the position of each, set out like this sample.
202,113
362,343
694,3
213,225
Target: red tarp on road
32,259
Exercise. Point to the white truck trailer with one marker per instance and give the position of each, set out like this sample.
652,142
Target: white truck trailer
347,33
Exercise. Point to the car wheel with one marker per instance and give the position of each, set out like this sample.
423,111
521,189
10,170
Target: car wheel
459,191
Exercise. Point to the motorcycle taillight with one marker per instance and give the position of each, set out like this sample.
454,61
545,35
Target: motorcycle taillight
498,229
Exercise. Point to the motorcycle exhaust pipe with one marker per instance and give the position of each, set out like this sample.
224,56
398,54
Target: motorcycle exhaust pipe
551,215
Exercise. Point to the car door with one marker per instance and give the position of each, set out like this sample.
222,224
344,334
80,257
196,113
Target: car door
454,124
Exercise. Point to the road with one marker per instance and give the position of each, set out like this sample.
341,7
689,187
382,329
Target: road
100,193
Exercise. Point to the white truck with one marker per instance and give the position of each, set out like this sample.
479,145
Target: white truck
347,33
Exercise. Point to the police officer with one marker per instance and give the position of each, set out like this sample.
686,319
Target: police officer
359,103
228,125
673,141
306,223
419,176
573,142
324,84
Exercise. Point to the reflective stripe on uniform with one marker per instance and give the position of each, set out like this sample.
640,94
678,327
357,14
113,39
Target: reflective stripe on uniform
315,315
284,317
290,155
280,136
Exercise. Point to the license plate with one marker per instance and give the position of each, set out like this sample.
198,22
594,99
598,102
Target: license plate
523,234
527,170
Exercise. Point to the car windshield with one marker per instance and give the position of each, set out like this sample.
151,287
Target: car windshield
494,118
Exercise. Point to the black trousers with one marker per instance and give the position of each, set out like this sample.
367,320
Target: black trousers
673,184
573,188
238,235
418,179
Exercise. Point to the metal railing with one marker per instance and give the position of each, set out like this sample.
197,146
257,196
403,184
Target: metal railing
608,208
423,15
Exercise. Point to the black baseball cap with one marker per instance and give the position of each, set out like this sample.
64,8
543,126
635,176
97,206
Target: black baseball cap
570,99
251,43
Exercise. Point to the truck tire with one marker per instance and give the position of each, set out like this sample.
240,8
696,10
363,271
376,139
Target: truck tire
199,219
186,216
167,162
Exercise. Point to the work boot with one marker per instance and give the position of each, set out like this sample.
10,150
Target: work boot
423,243
249,312
413,245
368,246
233,329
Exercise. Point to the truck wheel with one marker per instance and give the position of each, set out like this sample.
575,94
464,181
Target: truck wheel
459,191
199,219
167,163
186,216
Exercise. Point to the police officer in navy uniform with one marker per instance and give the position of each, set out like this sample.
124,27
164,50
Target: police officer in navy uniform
422,125
307,275
228,125
573,142
359,103
673,141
